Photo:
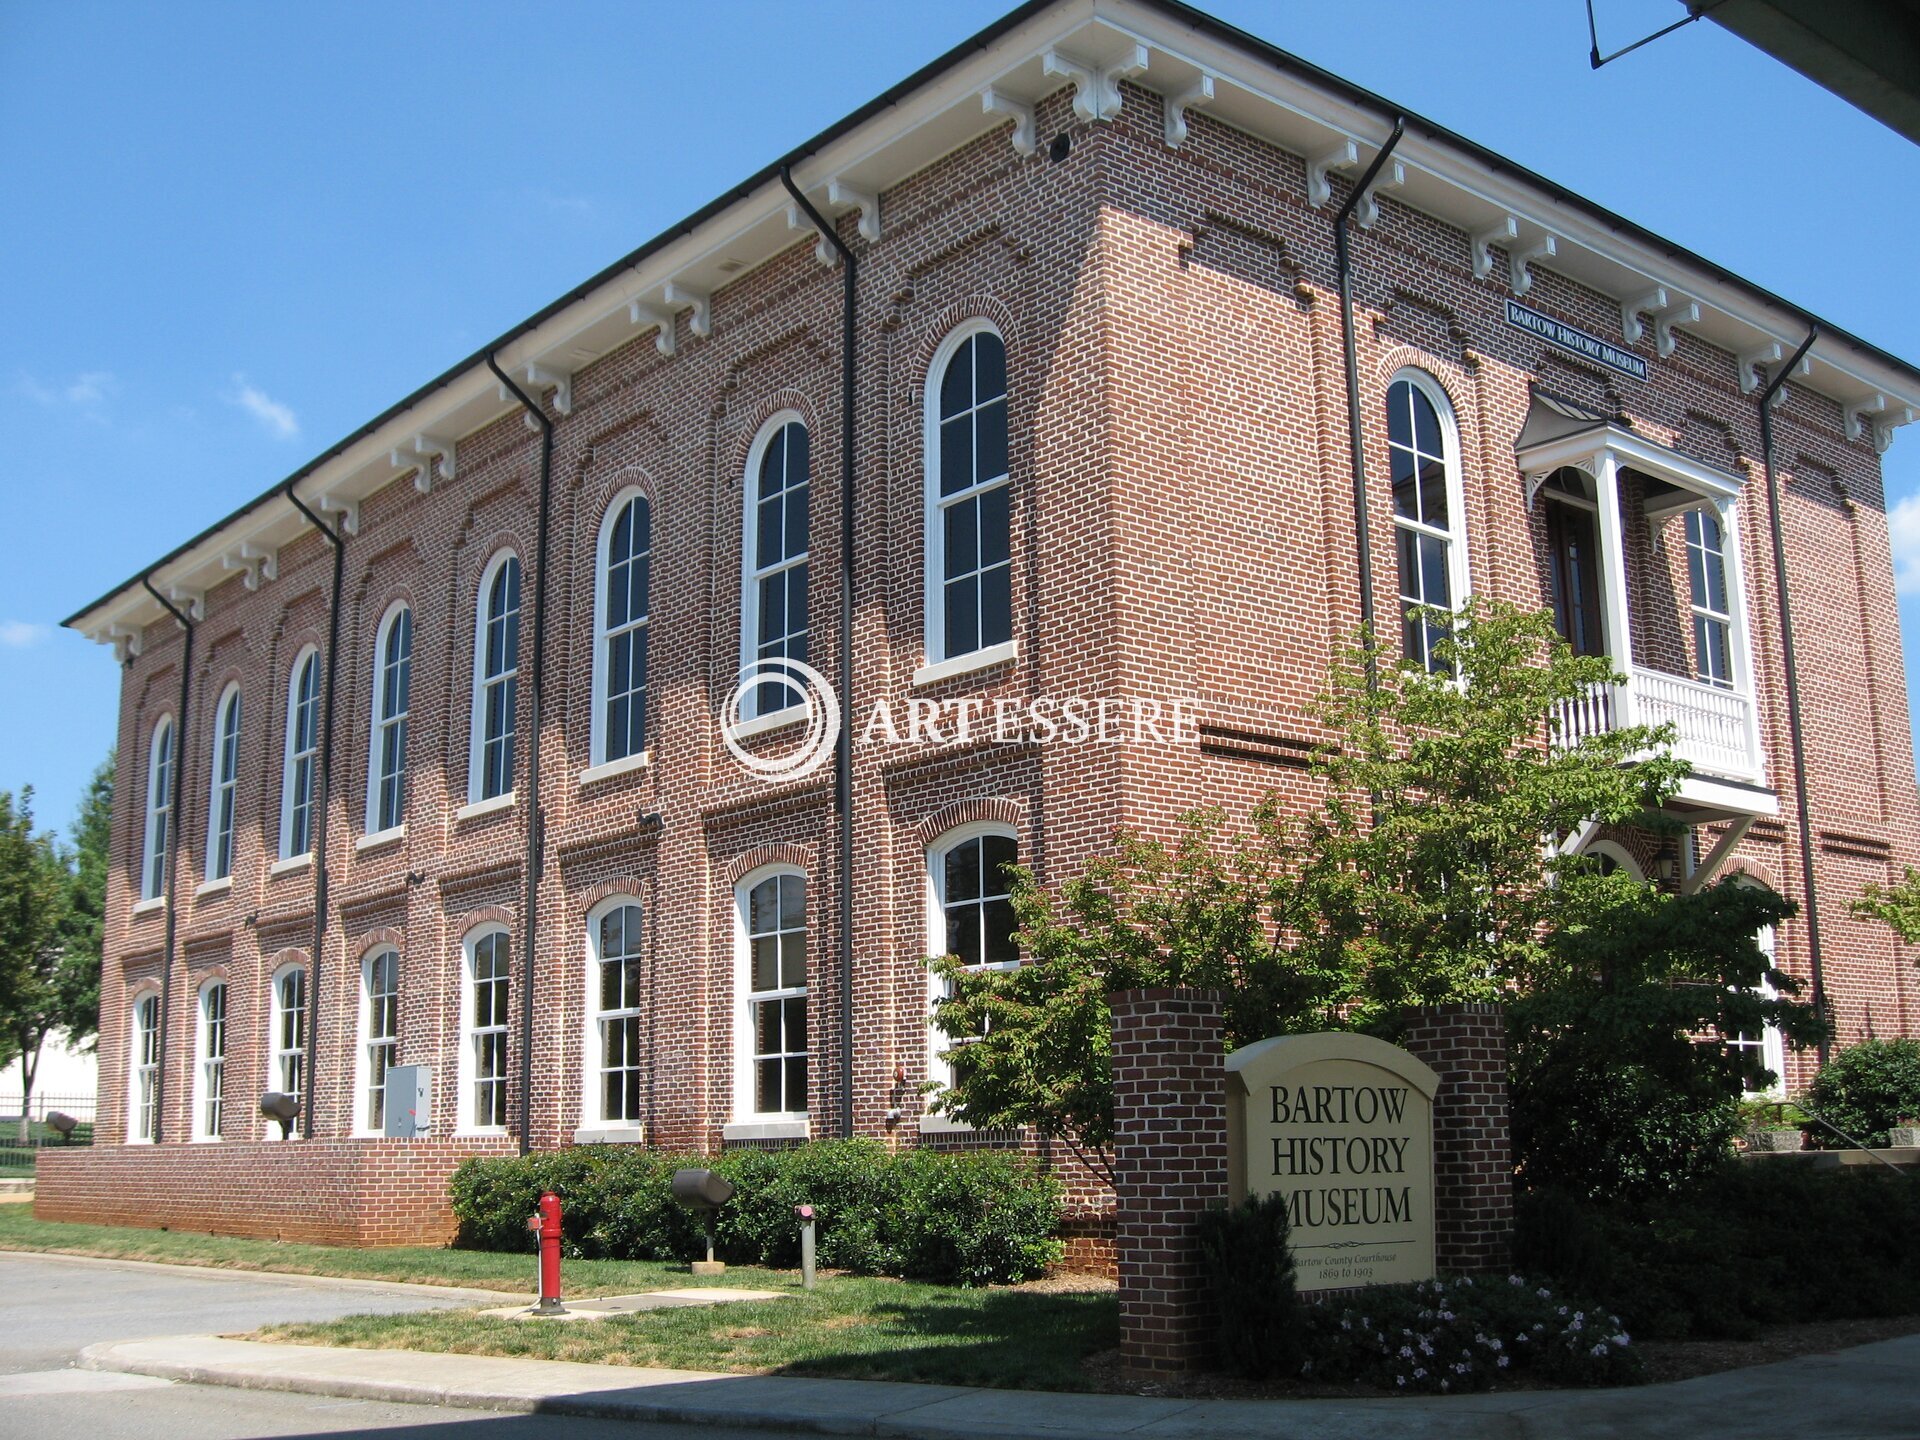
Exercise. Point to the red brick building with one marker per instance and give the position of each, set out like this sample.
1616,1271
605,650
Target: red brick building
472,745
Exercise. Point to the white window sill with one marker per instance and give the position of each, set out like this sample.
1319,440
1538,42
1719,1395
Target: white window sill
390,836
764,724
290,864
206,1139
492,1132
776,1128
149,907
485,807
966,664
610,1135
945,1125
213,887
625,765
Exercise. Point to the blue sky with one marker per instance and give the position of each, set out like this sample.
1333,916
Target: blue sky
236,232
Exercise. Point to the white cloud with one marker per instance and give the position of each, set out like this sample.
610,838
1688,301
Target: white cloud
19,634
1903,521
278,420
86,391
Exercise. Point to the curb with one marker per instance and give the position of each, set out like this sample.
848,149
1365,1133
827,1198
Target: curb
268,1277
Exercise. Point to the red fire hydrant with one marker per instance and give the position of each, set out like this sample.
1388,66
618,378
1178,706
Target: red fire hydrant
547,1226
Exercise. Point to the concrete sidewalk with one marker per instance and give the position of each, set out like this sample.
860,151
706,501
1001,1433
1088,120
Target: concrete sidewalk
1871,1391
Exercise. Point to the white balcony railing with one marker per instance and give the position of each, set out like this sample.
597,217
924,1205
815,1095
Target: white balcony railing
1714,729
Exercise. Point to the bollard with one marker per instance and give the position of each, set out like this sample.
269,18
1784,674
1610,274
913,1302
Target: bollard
547,1226
805,1212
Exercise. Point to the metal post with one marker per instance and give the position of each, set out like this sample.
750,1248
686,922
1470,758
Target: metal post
805,1212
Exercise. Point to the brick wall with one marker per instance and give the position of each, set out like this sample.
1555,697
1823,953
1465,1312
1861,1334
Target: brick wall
1472,1151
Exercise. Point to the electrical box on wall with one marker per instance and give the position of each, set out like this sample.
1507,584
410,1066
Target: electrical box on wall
409,1108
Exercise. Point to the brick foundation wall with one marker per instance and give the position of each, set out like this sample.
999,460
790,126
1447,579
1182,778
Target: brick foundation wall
1170,1163
1472,1149
350,1193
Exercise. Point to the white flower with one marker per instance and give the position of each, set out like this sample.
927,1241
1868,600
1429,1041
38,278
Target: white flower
1622,1340
1599,1352
1419,1372
1544,1293
1501,1362
1515,1280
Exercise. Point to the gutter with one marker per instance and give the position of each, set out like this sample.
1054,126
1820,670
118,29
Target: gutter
1795,731
536,847
843,745
323,803
176,784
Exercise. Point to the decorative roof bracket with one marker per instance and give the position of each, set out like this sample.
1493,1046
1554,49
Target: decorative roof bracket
1651,303
347,510
822,251
1340,157
560,380
1504,234
1174,120
1743,365
841,193
126,641
1521,255
678,296
1391,177
1681,312
431,446
645,315
263,563
1096,93
992,102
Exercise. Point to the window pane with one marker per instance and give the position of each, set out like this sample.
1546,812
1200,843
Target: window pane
769,542
962,617
956,454
797,525
963,871
990,436
995,524
1426,424
766,1097
1433,568
793,959
962,522
999,925
1400,414
794,1020
1433,492
998,852
990,366
996,605
956,391
763,907
766,962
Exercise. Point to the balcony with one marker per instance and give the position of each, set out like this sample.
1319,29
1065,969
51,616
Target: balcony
1714,728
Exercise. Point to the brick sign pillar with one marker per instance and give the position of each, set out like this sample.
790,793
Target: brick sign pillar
1473,1152
1170,1163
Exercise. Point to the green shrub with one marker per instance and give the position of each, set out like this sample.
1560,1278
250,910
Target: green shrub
981,1217
1244,1251
1448,1336
1866,1088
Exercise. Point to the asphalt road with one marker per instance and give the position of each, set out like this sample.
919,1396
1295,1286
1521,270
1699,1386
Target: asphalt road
50,1308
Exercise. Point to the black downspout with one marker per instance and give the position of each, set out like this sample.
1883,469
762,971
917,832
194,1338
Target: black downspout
1344,263
843,749
536,840
172,853
1794,729
325,803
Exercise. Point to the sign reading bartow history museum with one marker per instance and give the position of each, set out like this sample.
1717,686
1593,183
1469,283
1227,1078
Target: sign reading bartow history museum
1342,1127
1591,347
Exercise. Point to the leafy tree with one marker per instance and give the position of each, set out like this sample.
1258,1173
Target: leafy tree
77,979
1897,906
35,889
1425,879
1867,1088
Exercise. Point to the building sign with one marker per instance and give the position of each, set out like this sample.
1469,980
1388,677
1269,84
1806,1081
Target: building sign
1342,1127
1588,347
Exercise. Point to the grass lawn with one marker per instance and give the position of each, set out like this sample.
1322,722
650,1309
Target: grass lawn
850,1328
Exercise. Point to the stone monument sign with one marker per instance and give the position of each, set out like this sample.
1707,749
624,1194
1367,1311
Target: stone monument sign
1342,1126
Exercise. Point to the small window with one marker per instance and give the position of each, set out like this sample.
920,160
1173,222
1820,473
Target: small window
226,779
1427,505
973,916
771,1069
620,660
160,762
773,609
616,1044
288,1037
392,680
143,1087
379,1033
303,756
210,1072
485,1057
496,672
1712,620
969,525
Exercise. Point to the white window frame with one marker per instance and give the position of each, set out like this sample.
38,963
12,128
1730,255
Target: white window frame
603,637
468,1069
1619,855
751,574
1772,1044
223,786
476,730
287,1063
365,1041
939,1071
596,1126
1454,537
745,997
156,856
381,722
209,1068
934,506
291,758
143,1067
1706,615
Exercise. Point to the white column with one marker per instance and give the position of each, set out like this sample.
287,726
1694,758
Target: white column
1613,584
1743,679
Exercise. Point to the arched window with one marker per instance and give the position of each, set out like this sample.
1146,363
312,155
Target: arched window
615,1051
210,1061
620,628
1712,617
1428,508
287,1038
496,672
969,526
387,760
1762,1054
160,762
971,910
773,604
770,989
483,1025
226,779
379,1036
143,1070
302,756
1608,858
